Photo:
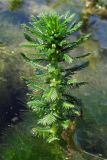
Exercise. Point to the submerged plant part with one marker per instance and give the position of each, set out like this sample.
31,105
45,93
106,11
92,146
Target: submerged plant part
94,7
15,4
56,108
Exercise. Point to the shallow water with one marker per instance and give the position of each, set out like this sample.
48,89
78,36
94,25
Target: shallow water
91,132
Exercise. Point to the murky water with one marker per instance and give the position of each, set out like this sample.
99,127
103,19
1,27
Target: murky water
91,133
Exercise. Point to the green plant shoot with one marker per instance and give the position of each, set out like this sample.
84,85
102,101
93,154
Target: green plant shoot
53,81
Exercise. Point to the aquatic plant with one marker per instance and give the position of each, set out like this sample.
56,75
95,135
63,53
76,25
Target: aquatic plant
57,110
15,4
19,144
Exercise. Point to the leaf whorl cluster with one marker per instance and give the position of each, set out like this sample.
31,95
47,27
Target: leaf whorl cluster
50,99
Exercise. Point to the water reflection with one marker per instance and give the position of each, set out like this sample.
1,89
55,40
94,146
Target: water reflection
11,96
99,30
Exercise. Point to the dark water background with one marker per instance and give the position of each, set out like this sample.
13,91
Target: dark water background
15,120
